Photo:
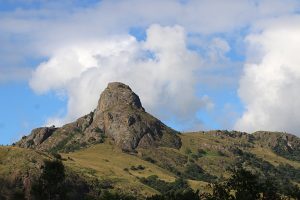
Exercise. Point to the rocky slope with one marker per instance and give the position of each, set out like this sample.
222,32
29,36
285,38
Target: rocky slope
119,116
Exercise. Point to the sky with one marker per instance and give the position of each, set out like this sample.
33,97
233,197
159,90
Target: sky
196,64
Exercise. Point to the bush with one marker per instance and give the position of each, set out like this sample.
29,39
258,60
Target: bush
282,175
188,151
164,187
51,182
283,149
149,159
201,152
244,185
195,172
187,194
56,155
139,167
106,195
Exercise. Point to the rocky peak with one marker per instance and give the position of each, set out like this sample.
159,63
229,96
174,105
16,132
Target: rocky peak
120,95
121,117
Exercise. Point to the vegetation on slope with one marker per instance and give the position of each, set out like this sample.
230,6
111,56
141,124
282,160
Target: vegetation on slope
205,158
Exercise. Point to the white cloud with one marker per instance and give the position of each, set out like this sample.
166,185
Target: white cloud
51,27
161,70
217,50
83,56
270,85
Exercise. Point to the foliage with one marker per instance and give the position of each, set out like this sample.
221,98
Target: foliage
282,175
56,155
51,182
165,187
195,172
106,195
139,167
283,149
186,194
149,159
177,190
244,185
62,144
188,151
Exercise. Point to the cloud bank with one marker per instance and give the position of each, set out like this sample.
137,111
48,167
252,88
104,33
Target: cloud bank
60,23
270,86
160,69
195,45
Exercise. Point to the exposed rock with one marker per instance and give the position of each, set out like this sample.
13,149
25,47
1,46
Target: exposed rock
119,116
272,139
37,137
283,144
118,95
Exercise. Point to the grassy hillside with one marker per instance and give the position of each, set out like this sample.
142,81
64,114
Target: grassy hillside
205,157
214,152
107,162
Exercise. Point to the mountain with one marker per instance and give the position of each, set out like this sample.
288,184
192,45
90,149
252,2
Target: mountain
119,116
120,148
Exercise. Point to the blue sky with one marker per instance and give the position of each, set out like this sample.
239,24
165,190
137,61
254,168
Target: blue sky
195,64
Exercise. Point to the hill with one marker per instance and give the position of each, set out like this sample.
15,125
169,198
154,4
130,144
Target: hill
120,148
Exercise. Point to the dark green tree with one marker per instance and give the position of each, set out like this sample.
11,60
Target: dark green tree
245,184
184,194
270,191
50,185
220,192
106,195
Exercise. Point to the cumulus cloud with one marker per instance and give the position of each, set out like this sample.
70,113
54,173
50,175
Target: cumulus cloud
57,23
270,85
82,56
160,69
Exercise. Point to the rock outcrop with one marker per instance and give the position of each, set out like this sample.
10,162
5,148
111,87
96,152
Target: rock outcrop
37,137
283,144
119,116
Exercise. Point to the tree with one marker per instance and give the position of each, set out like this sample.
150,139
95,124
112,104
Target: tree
50,185
270,191
220,192
245,184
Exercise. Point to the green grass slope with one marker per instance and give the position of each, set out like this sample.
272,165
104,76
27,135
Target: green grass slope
205,157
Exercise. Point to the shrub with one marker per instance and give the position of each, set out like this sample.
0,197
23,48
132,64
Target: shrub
201,152
165,187
188,151
149,159
243,185
56,155
51,181
139,167
195,172
187,194
106,195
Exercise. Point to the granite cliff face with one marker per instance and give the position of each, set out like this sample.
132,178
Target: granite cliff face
119,116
